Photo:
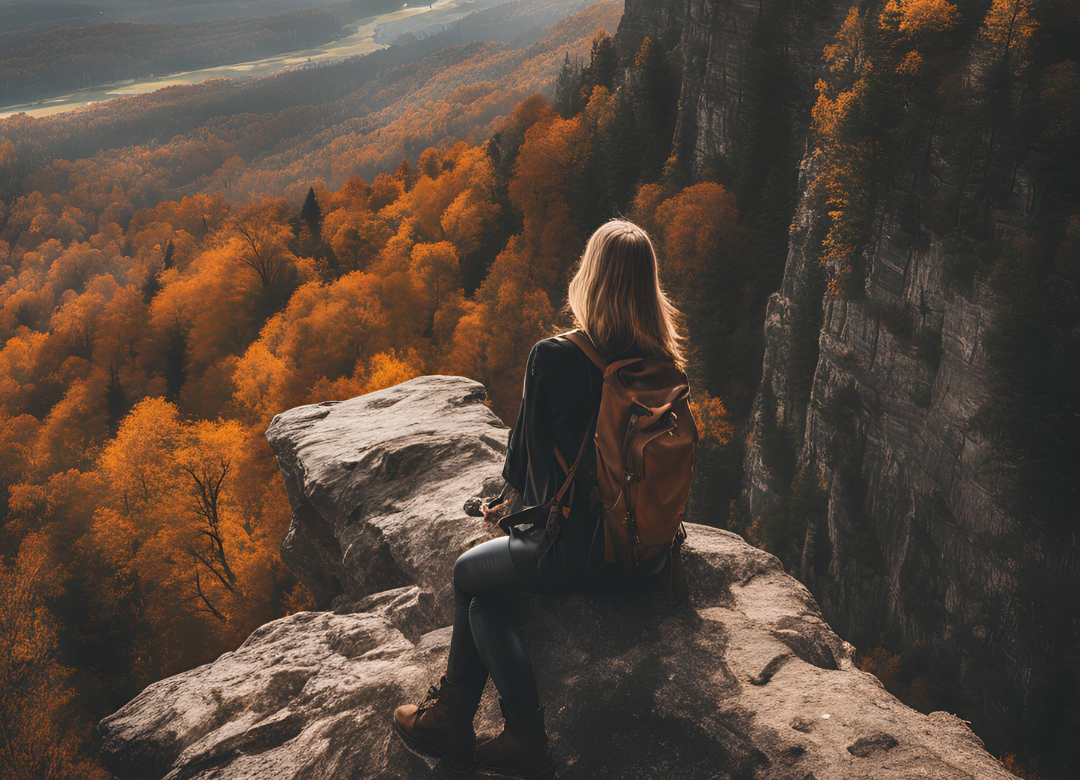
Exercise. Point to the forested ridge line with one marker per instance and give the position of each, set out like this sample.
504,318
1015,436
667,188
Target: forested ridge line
325,93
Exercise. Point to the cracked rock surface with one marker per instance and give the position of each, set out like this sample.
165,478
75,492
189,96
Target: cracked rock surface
745,682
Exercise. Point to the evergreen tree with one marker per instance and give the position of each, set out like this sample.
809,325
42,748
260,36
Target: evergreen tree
622,148
603,65
567,88
311,215
654,101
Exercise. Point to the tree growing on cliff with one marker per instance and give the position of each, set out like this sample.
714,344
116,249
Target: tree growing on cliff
652,99
602,69
861,130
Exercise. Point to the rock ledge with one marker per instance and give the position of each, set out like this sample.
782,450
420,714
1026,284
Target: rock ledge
747,682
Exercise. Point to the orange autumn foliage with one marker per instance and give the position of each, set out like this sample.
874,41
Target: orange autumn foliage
172,525
1007,31
41,737
851,97
149,332
913,17
697,227
714,425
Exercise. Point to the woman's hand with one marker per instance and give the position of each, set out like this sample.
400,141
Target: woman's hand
504,502
494,512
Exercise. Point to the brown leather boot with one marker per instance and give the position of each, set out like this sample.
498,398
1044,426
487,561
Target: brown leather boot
441,726
521,751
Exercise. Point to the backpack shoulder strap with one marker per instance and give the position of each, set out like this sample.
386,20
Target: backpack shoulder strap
581,339
572,471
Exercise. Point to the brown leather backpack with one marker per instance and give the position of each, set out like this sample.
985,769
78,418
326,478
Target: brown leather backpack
646,443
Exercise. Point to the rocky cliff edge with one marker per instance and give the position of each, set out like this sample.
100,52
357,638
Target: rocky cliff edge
745,682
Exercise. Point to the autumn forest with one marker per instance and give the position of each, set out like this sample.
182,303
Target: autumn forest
178,267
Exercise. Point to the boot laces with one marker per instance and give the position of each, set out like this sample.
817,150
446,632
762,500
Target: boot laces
434,691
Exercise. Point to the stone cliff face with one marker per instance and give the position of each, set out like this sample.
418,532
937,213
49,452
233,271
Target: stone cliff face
743,66
910,543
878,399
746,682
874,400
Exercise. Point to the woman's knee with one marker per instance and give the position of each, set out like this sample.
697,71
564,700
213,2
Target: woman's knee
478,567
467,568
462,579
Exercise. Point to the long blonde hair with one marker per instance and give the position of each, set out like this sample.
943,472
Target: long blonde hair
616,296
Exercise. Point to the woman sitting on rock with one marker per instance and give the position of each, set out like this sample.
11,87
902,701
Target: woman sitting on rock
616,299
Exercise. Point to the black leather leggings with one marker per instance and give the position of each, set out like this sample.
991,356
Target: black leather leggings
486,638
